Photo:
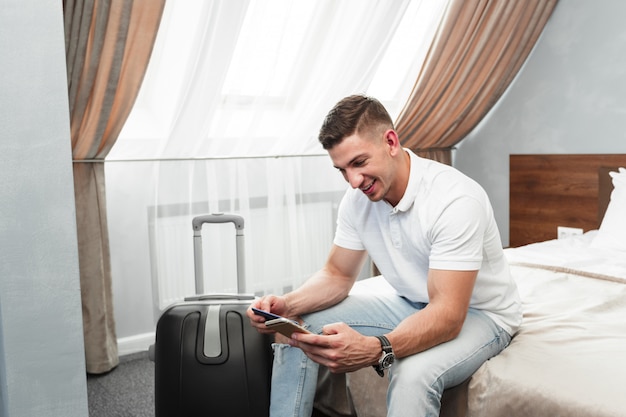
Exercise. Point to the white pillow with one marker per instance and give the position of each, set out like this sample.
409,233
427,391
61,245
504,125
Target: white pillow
612,233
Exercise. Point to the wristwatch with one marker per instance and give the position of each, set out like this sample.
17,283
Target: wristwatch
387,357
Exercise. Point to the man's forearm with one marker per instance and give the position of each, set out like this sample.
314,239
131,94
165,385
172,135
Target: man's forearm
421,331
442,319
320,291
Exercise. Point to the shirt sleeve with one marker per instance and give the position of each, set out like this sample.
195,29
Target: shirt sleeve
458,234
346,235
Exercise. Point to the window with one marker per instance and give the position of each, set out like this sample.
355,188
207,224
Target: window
233,78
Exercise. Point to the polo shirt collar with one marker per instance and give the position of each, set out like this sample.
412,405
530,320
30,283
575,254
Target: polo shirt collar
410,194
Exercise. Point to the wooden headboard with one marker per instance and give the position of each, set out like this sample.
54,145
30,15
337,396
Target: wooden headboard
547,191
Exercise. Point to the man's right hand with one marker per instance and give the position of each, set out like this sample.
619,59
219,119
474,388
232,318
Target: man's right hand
272,303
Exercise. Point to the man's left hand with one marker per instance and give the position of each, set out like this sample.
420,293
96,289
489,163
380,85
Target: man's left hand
340,348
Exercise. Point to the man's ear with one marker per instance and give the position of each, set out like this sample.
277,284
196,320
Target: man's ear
393,141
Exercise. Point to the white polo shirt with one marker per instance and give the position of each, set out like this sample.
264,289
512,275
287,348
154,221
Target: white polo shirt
443,221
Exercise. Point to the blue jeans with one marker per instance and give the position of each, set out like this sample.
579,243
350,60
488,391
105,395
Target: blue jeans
416,382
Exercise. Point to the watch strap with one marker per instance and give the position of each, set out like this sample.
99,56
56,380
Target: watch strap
385,344
386,348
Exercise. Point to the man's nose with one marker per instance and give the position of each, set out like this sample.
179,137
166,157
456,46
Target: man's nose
354,178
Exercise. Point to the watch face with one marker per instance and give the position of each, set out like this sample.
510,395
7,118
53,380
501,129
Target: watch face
387,360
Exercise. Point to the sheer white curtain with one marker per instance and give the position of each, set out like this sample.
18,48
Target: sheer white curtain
228,118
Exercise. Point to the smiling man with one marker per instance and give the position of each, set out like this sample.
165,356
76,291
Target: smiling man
431,232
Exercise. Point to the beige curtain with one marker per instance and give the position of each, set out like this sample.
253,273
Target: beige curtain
479,48
108,44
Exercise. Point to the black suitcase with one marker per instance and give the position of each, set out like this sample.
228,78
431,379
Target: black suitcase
209,360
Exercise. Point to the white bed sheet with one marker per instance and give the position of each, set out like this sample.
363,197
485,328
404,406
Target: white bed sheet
569,356
575,253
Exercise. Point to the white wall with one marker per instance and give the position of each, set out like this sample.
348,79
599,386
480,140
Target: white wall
570,97
42,365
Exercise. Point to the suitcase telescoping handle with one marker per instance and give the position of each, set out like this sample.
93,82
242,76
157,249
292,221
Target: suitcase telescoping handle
197,247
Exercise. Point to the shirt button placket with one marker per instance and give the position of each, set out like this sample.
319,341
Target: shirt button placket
394,228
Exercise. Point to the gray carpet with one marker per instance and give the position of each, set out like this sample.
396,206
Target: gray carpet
126,391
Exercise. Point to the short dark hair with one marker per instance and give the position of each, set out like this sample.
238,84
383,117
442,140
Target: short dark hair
353,114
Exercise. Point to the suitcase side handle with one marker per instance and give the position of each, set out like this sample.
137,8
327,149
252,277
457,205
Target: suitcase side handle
197,223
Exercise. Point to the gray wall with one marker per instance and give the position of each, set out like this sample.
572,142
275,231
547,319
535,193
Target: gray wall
42,369
570,97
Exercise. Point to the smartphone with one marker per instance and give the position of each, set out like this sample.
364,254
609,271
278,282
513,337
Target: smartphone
285,326
266,314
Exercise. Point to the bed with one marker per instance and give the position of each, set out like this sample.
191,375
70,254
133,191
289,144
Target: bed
569,356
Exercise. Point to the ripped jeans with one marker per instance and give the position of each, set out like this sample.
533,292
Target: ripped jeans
416,382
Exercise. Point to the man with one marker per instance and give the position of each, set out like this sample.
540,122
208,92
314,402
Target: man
430,231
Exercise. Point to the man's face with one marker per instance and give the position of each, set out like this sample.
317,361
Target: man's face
366,164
